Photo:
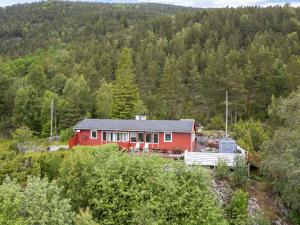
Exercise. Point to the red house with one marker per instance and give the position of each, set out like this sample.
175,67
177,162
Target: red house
156,134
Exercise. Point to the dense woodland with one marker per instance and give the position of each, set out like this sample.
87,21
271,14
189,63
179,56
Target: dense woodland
117,60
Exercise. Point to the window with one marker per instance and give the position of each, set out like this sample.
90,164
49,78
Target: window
155,138
148,138
103,135
125,137
93,134
111,137
118,137
140,137
168,137
132,137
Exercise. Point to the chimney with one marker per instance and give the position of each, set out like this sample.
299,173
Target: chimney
140,117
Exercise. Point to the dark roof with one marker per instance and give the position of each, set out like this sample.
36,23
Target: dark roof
180,126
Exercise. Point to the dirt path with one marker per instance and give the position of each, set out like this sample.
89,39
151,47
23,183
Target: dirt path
267,203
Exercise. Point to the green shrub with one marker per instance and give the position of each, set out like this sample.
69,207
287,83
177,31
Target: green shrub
259,219
121,189
222,169
66,134
250,134
237,210
239,175
84,217
216,123
39,202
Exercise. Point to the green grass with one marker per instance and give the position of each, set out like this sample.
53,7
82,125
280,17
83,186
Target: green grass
4,144
59,143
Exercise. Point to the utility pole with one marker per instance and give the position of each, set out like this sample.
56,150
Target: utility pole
55,122
51,125
226,125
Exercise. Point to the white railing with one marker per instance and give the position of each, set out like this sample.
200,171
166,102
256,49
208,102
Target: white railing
211,158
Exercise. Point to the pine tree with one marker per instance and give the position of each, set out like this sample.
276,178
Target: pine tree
170,90
125,92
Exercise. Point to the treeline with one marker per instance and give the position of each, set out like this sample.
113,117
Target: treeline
182,62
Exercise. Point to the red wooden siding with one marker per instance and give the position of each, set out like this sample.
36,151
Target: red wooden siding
179,140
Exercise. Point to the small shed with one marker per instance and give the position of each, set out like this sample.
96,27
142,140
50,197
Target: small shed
227,145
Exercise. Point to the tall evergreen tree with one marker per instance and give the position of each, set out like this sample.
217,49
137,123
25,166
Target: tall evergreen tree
170,90
125,92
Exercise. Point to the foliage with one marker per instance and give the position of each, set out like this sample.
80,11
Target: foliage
84,218
259,219
239,175
120,189
237,210
66,134
138,198
102,60
39,202
23,135
169,62
75,171
249,134
24,139
281,152
170,89
104,101
125,92
216,123
78,94
222,170
27,108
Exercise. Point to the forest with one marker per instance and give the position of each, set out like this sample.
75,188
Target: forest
118,60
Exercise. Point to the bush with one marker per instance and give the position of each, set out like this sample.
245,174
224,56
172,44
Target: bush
23,135
132,190
222,170
250,134
237,210
66,134
240,176
216,123
259,219
121,189
39,202
84,218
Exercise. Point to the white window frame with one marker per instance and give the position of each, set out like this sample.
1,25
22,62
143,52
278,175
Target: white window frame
157,138
130,137
91,134
165,136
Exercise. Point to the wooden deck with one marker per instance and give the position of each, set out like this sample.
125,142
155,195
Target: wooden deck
211,158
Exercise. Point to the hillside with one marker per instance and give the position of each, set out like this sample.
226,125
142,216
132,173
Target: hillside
118,60
25,28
